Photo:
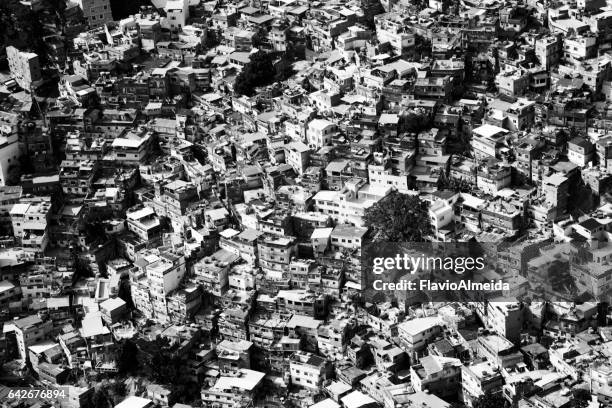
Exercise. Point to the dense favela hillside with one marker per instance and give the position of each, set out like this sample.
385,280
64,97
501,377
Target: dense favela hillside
232,204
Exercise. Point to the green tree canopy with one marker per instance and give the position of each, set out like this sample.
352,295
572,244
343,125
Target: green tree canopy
399,217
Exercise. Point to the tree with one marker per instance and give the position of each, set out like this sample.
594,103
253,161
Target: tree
416,120
422,47
602,313
457,185
128,357
14,175
399,217
15,171
125,291
187,391
258,72
491,401
372,7
21,27
119,388
211,40
580,398
284,69
95,230
122,9
100,398
82,268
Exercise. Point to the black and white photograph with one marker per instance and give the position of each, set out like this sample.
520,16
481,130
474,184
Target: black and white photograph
305,204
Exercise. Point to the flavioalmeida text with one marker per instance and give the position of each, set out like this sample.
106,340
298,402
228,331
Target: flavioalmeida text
426,284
